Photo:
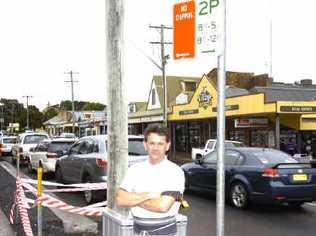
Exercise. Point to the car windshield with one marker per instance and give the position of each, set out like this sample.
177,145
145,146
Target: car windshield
234,144
270,156
55,147
33,139
9,140
136,147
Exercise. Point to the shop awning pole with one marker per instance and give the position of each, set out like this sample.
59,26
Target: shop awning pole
221,82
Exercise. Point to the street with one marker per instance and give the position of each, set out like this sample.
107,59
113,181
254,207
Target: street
257,220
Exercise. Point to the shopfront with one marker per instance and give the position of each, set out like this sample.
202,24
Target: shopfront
250,118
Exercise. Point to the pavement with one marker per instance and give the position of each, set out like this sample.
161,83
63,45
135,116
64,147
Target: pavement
55,222
5,227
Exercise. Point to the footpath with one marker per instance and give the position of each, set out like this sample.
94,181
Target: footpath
54,221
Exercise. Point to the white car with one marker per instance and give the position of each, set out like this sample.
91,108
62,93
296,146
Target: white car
6,144
25,141
47,152
211,145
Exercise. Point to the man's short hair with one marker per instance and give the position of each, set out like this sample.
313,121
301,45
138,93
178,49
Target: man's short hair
157,129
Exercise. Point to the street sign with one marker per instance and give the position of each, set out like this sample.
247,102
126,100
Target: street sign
184,30
207,26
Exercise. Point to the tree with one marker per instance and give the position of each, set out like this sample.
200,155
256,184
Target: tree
49,113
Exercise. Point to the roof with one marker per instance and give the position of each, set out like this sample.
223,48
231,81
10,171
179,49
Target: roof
289,93
173,86
233,91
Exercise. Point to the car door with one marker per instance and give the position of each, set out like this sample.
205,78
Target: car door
203,173
67,162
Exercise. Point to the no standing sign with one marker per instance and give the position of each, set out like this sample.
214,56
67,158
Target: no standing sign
196,28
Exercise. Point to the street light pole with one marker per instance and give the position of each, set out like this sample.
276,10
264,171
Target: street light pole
72,99
27,111
2,118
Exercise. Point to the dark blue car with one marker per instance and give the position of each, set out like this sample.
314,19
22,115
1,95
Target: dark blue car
255,175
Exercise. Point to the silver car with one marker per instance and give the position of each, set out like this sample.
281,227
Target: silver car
86,162
6,144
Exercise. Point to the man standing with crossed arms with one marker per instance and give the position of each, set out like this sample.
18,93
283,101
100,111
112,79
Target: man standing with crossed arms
153,189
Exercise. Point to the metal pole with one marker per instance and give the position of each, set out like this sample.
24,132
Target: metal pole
221,75
39,205
277,131
117,104
2,119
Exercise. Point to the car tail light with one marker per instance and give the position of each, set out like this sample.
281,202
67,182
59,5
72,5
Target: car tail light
270,172
101,162
51,155
2,145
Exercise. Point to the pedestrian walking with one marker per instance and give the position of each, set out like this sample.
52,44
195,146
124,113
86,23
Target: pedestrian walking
153,189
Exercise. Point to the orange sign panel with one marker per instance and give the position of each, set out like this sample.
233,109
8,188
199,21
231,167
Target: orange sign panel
184,30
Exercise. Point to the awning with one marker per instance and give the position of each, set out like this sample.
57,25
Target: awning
308,122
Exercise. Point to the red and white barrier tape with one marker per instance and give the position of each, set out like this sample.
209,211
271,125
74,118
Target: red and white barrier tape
48,183
22,207
49,201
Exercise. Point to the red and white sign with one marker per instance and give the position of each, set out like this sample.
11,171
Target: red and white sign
184,30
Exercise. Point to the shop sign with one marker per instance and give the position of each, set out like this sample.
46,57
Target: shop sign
251,122
145,119
297,109
227,108
205,98
188,112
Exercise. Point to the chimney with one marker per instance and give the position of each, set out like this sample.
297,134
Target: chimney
306,82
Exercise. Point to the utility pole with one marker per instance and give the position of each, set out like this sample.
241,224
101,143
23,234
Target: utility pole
27,111
164,59
117,104
71,81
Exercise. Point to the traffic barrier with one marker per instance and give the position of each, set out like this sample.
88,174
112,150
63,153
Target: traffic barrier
52,202
22,205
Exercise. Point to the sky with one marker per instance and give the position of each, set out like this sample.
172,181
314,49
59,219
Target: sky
42,40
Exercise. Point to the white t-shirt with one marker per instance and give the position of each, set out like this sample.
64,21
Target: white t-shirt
146,177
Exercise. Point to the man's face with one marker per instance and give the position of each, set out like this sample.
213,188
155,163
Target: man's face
156,146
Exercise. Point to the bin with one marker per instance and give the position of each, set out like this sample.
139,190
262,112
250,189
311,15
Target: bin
113,224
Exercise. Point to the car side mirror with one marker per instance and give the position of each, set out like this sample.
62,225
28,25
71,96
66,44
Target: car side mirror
199,159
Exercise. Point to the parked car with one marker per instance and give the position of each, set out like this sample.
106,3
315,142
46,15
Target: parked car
6,143
67,135
86,161
211,145
255,175
47,152
25,141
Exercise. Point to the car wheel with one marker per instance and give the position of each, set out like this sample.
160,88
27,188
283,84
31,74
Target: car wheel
59,176
239,195
29,167
13,160
295,204
89,195
187,183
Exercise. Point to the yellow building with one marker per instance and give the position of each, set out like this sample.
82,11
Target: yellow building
259,116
